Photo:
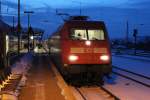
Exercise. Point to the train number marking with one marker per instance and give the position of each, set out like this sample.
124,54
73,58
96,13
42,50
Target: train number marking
77,50
88,50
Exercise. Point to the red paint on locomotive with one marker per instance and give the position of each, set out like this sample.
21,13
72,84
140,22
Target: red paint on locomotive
86,54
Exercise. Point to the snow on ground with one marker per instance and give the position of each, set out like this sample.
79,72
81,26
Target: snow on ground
138,78
23,65
126,89
140,58
140,67
140,53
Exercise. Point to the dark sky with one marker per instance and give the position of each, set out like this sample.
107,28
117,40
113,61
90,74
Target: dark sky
114,12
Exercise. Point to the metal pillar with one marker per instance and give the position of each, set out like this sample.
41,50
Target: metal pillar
18,27
0,9
13,24
127,33
28,32
28,13
135,40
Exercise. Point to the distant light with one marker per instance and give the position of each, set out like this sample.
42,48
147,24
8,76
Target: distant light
36,49
88,43
7,37
31,37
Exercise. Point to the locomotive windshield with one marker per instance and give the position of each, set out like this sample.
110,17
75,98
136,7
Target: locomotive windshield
89,34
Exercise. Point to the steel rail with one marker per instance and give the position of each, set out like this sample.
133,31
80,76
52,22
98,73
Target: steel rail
121,69
111,94
142,83
81,94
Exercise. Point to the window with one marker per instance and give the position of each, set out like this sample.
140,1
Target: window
79,35
96,34
83,34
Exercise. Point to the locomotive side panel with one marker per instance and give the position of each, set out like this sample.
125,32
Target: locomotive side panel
56,51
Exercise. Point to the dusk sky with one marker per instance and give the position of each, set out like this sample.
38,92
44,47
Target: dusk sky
115,13
73,3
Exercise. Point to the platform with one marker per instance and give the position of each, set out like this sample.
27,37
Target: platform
41,83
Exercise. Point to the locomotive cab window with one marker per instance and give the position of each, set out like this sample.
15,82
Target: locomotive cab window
96,34
78,34
83,34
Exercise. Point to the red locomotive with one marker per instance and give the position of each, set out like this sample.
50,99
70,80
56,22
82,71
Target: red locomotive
81,47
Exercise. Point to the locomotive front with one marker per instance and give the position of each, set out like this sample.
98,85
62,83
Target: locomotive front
85,48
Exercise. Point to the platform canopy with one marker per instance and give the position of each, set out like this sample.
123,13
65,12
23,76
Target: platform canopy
33,30
4,27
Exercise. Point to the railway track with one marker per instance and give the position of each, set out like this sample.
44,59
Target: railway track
105,94
112,96
139,59
146,77
138,78
82,95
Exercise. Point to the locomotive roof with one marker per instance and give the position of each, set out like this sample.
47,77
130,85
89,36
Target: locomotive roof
72,22
81,19
84,22
78,18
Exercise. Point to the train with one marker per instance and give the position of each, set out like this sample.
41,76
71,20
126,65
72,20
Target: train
81,47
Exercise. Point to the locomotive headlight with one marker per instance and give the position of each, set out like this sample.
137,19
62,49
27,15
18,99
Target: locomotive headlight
104,57
88,43
73,58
